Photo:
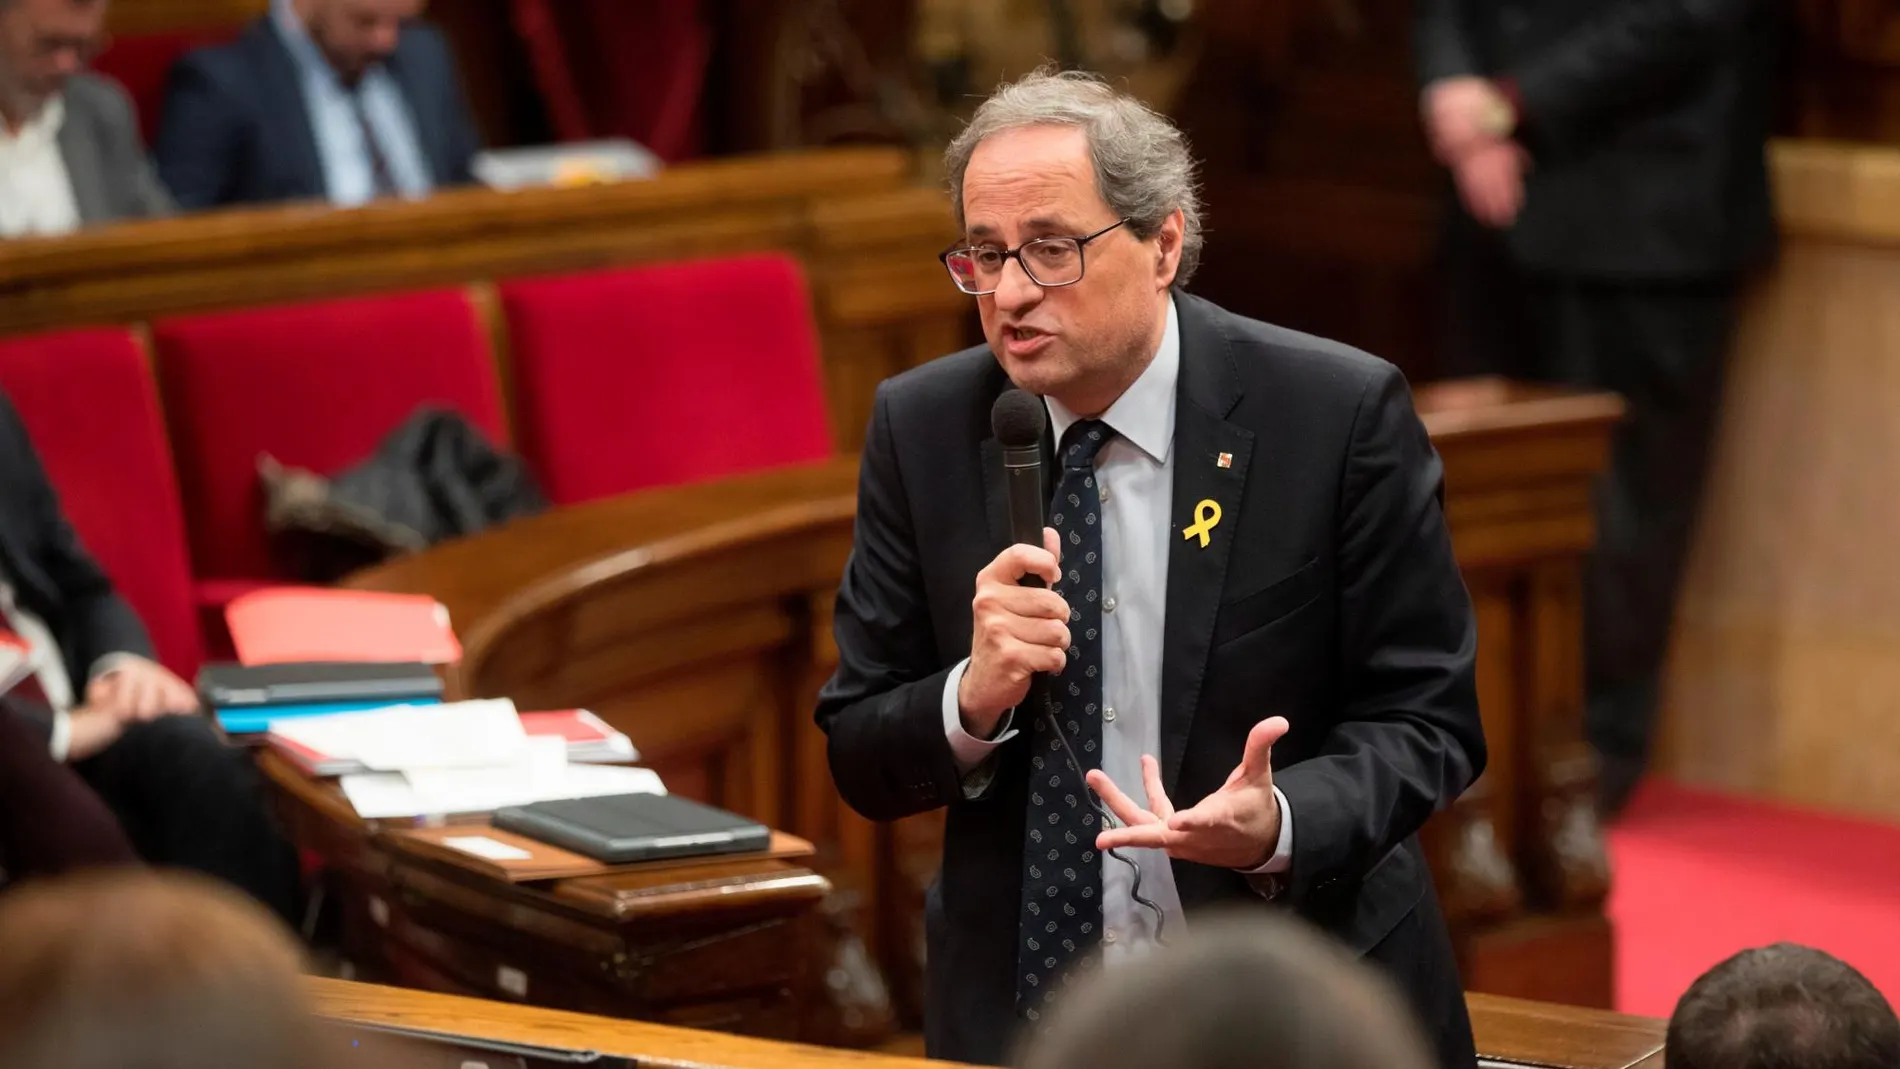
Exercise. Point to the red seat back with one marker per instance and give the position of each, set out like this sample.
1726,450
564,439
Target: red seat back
314,385
87,400
143,63
664,375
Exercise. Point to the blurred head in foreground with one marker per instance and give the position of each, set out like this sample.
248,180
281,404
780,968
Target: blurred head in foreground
149,971
1782,1007
1245,991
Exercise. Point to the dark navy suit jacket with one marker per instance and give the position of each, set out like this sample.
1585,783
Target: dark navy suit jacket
236,129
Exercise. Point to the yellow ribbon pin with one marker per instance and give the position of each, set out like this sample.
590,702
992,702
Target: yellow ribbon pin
1206,515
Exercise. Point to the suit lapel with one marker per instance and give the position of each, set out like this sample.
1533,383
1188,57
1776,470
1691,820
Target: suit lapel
1203,483
282,76
85,168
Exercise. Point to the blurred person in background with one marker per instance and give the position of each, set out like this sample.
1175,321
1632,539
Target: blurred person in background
1782,1007
344,100
151,971
1612,193
70,153
97,700
50,821
1238,992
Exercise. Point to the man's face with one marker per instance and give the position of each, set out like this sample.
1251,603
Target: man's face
42,43
1082,344
356,35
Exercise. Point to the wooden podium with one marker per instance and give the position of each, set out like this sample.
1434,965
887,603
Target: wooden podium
718,943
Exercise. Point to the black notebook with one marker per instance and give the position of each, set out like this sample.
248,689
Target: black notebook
227,686
624,828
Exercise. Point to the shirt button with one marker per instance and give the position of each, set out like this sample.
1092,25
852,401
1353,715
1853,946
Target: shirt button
1109,936
1104,487
1108,714
1108,604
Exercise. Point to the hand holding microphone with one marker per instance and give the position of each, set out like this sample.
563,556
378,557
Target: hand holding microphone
1019,626
1017,632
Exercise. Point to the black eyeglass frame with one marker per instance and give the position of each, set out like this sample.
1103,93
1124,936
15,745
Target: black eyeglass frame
1081,252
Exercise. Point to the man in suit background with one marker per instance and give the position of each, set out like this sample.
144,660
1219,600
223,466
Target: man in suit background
346,100
1254,619
125,723
1608,160
70,153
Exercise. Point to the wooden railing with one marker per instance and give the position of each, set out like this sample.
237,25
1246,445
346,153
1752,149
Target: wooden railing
1509,1033
866,233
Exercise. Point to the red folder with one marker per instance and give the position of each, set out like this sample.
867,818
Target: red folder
287,625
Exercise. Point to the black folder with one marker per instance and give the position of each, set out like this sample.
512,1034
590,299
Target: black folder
624,828
233,686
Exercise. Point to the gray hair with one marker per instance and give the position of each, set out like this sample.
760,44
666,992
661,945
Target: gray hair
1143,168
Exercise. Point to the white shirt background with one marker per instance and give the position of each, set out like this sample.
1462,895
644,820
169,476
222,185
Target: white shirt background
36,193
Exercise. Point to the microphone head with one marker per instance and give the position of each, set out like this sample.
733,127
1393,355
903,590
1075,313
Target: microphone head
1018,419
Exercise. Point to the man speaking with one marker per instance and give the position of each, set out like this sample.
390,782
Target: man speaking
1244,623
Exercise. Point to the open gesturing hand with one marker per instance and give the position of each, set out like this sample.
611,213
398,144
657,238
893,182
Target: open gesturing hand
1236,827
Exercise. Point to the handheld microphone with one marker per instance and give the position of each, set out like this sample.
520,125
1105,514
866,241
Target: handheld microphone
1018,420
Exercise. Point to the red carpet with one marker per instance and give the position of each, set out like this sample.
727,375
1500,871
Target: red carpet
1699,876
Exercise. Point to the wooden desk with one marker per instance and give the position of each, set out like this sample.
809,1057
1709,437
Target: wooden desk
732,944
1509,1032
697,619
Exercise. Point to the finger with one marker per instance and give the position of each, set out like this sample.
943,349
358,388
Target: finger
1025,659
179,697
1019,560
1158,802
1051,633
1120,804
1052,542
1155,836
1025,601
1256,762
147,700
102,690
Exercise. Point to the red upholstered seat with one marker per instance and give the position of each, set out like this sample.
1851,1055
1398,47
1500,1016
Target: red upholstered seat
87,401
143,63
314,385
664,375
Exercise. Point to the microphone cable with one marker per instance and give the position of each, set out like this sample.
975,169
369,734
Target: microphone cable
1109,820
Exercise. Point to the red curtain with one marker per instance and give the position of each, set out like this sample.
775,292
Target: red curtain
616,68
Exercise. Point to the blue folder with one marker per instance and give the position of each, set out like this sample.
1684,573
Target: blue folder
255,719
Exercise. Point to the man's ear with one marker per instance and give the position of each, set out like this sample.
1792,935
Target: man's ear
1168,248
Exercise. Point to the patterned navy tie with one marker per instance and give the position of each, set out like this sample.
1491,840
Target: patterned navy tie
1061,922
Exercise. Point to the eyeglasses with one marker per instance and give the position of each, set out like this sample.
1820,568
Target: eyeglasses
1049,262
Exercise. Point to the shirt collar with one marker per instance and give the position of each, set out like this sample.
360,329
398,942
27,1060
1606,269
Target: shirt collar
41,129
1144,413
303,49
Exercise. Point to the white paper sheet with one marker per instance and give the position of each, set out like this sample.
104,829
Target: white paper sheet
451,735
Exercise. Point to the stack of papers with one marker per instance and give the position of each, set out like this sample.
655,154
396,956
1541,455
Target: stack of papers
453,758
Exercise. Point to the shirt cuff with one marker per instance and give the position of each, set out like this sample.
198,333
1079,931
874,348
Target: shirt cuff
969,750
59,742
111,662
1282,858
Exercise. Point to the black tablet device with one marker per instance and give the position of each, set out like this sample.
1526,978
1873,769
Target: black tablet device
624,828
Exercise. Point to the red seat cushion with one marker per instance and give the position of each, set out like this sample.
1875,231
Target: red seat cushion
314,385
665,375
87,400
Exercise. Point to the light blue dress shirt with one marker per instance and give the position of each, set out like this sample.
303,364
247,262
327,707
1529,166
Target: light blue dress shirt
1135,473
348,174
